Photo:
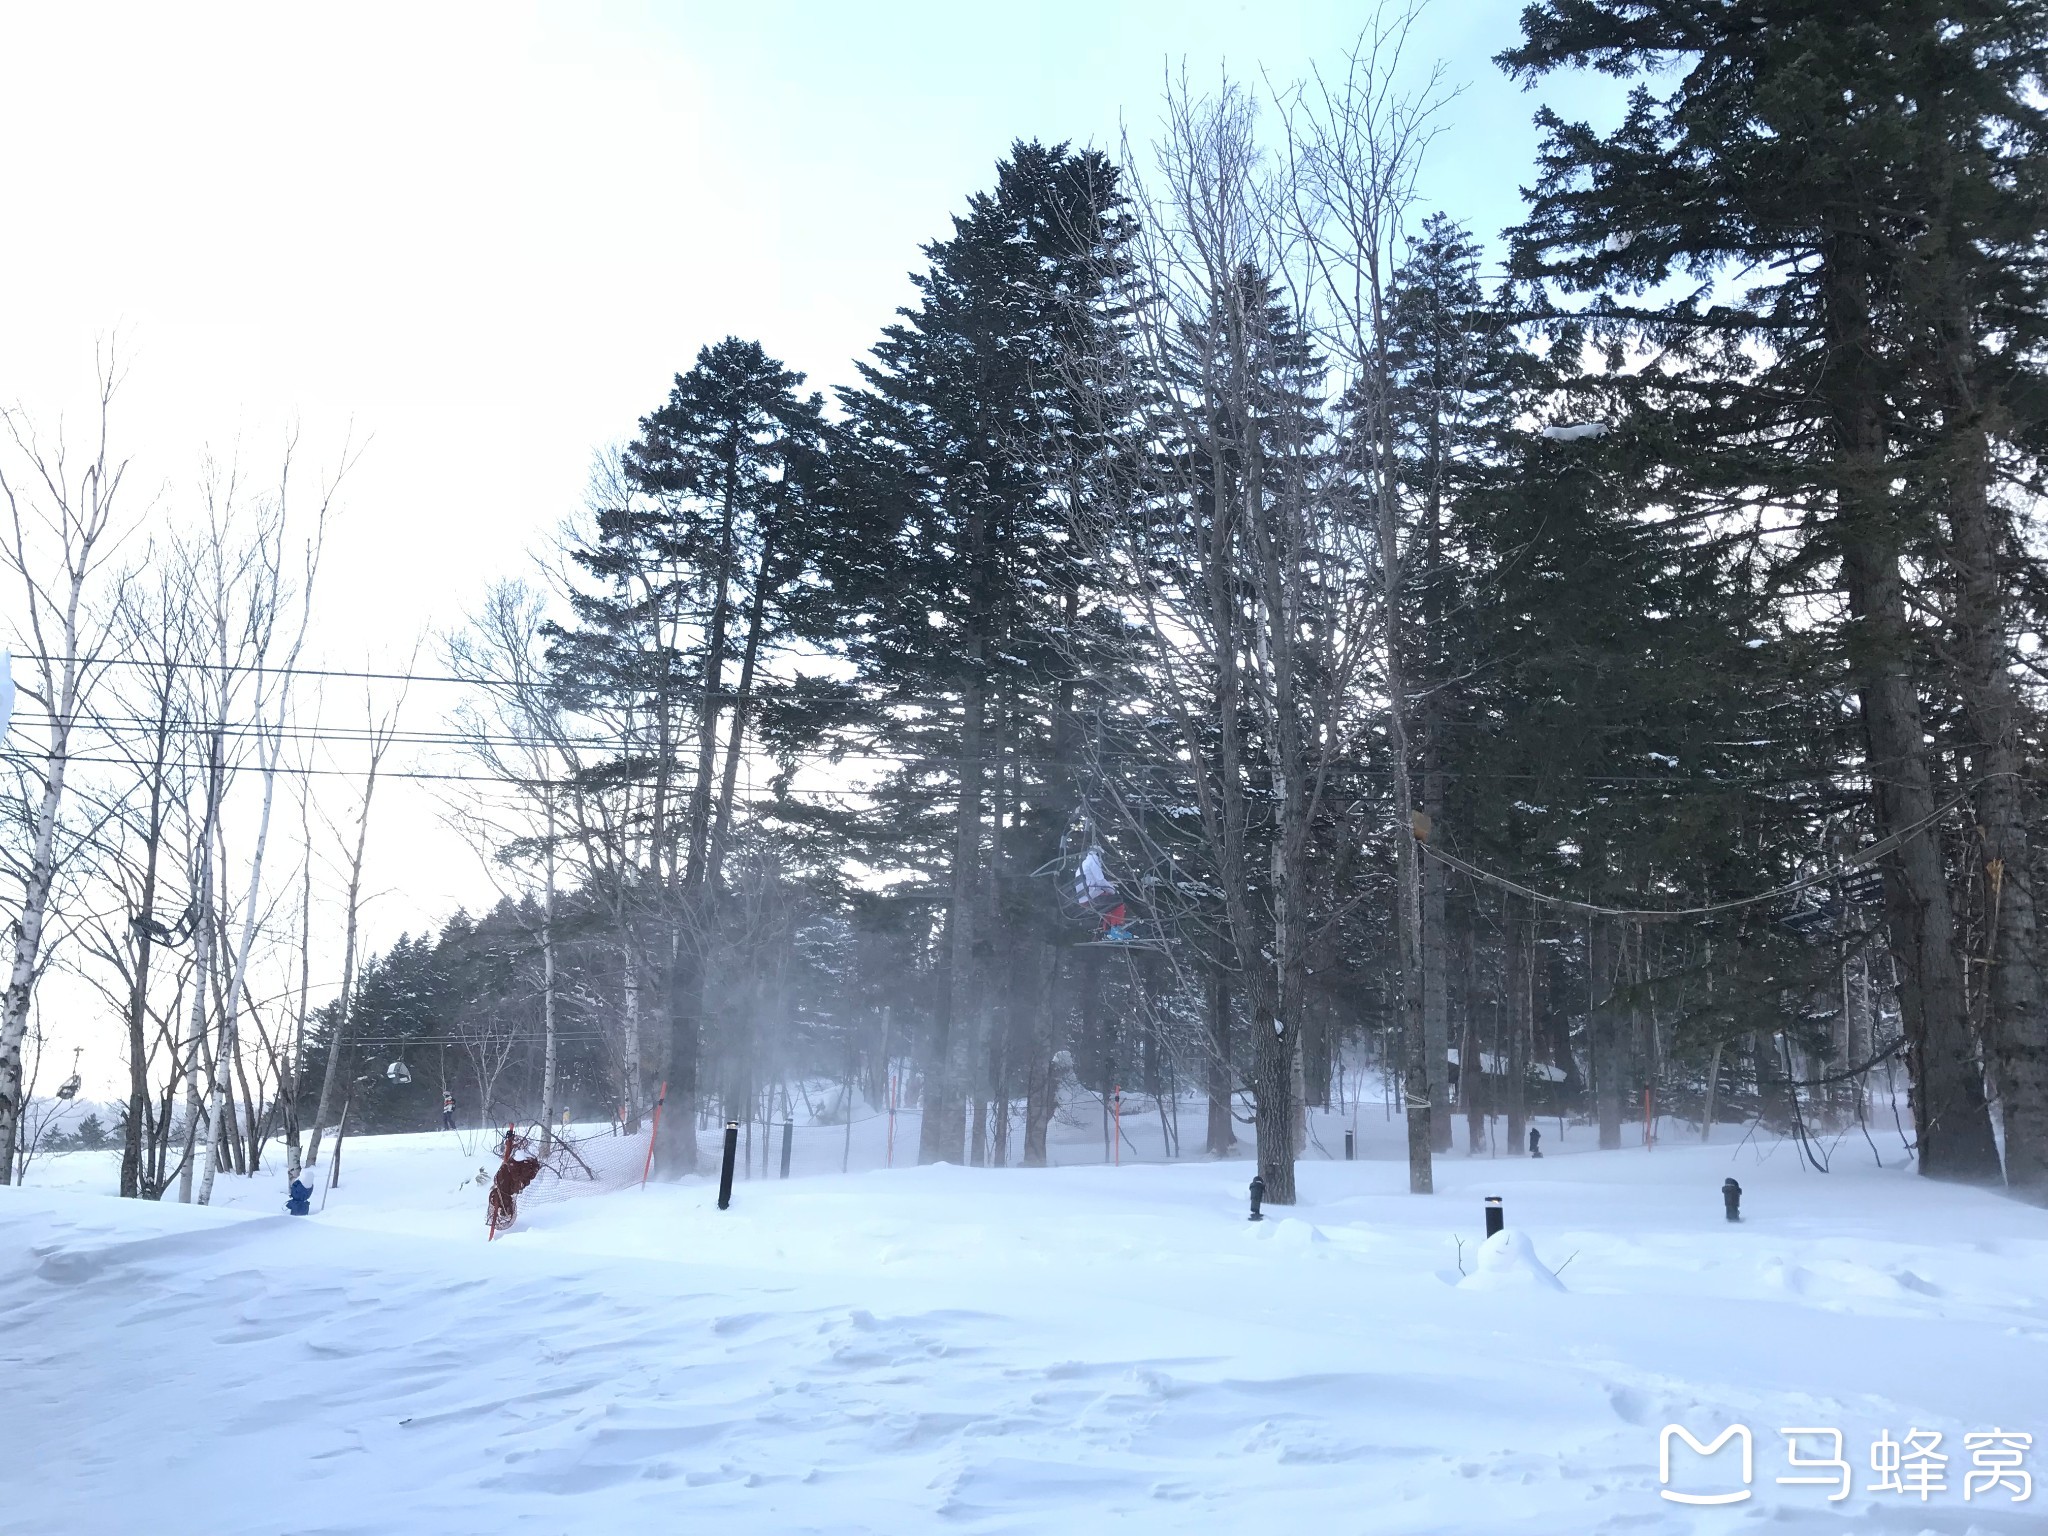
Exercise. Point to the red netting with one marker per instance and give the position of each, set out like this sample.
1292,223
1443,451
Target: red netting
577,1161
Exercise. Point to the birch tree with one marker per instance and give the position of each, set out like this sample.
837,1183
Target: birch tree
64,525
277,614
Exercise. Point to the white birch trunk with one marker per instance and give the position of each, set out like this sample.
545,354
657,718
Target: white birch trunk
224,1051
547,992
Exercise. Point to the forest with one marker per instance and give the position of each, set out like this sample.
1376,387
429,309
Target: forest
1247,642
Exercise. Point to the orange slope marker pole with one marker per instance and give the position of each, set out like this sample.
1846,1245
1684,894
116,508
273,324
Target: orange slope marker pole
653,1134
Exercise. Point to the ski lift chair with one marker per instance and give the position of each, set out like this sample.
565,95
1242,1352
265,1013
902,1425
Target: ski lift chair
398,1072
68,1089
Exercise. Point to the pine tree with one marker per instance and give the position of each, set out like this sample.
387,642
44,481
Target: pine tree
1455,363
1792,175
696,549
967,448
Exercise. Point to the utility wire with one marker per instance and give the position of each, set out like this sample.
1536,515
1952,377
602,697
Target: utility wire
1863,856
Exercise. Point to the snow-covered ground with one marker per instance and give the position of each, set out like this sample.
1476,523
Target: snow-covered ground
1076,1349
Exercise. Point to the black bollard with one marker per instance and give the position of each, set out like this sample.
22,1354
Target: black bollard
1350,1145
732,1148
1258,1194
788,1130
1496,1218
1731,1196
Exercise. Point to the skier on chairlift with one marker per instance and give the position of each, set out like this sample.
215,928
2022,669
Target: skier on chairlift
1096,891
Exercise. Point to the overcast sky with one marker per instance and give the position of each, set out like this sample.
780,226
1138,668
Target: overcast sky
482,239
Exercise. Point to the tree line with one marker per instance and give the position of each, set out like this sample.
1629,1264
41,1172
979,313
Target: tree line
1232,647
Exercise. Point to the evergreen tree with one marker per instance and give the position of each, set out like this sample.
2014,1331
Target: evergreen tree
1799,169
697,548
968,451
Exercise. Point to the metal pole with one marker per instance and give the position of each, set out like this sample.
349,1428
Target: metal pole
788,1134
732,1147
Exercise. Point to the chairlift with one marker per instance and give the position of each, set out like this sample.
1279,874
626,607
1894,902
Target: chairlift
1088,893
68,1089
398,1072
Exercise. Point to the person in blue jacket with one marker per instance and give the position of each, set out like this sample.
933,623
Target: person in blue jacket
300,1203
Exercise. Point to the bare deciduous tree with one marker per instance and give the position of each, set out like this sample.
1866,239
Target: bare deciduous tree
60,539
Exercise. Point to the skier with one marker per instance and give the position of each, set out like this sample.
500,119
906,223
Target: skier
447,1111
300,1203
1535,1137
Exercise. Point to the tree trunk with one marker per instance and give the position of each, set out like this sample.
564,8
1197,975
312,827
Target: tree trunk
344,1008
1951,1119
203,937
132,1183
942,1131
1519,984
1603,1033
721,833
1221,1137
1041,1088
630,1068
1436,1033
2018,1013
228,1049
549,1047
42,870
1713,1092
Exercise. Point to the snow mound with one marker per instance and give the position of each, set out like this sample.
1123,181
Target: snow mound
1507,1262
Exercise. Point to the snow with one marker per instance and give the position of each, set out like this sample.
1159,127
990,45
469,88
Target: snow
1507,1262
1084,1348
1576,433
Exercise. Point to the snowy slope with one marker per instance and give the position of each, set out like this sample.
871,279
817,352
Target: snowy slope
1077,1349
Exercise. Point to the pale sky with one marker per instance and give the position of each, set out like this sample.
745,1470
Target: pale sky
482,239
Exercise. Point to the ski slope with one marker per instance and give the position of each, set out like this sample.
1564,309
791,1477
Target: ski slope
1078,1349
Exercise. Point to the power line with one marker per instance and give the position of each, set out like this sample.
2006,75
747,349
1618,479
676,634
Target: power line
793,792
232,668
1861,857
118,726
